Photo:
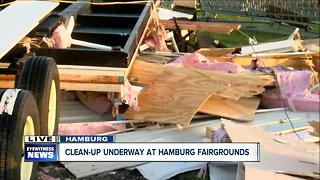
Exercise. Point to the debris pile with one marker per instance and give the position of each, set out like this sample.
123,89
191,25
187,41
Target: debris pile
272,88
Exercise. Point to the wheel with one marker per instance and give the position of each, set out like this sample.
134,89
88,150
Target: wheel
24,120
40,76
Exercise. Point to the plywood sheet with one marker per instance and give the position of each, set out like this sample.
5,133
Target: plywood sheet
242,109
18,19
289,156
169,96
174,95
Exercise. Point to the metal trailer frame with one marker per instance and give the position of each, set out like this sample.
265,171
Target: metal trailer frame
114,25
82,68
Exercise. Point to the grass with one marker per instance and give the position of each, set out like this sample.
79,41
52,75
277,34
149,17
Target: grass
237,39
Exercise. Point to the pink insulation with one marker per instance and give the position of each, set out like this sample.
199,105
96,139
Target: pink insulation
220,135
90,128
294,92
97,102
156,38
129,94
198,61
60,38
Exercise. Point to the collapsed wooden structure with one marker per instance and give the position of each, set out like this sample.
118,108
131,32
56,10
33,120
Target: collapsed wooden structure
174,95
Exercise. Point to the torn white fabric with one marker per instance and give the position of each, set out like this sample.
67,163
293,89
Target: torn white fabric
8,101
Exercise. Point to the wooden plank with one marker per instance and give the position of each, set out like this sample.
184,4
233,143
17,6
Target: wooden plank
76,78
316,127
216,54
185,3
91,79
289,156
298,60
174,95
7,81
71,83
286,55
135,54
296,63
236,85
242,109
91,70
90,87
224,28
18,19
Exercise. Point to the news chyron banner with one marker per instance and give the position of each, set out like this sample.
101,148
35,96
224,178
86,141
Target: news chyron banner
104,148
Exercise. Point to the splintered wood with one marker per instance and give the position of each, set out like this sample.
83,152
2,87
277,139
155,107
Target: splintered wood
174,95
297,60
242,109
168,96
216,27
316,128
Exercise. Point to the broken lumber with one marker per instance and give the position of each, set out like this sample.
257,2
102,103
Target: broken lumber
216,54
289,156
224,28
242,109
295,62
287,55
168,97
82,78
316,128
174,95
293,43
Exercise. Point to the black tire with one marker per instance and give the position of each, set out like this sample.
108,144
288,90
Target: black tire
11,135
37,75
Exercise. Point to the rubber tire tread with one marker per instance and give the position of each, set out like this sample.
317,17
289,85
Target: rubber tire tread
11,135
36,76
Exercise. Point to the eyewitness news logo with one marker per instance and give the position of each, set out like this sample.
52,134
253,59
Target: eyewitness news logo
46,148
40,152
